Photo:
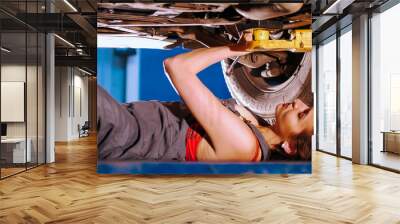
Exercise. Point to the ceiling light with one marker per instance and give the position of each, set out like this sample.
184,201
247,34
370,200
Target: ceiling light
337,7
5,50
84,71
79,51
65,41
70,5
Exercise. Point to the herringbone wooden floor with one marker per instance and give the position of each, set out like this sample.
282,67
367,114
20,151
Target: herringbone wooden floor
70,191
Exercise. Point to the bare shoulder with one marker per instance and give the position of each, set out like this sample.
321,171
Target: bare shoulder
246,114
205,150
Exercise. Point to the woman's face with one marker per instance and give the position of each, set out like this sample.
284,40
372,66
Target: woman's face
293,119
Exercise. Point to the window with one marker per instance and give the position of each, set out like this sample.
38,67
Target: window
22,79
385,89
327,96
346,74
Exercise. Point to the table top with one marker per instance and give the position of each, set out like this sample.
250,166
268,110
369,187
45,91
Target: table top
13,140
391,132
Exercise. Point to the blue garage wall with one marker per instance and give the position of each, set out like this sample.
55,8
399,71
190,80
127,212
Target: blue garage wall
153,83
111,72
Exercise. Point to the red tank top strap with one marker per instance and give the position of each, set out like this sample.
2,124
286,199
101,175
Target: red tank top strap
194,136
193,139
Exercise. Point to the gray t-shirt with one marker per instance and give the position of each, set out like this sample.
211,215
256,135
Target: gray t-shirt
148,130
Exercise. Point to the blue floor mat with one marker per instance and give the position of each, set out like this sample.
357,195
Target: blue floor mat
279,167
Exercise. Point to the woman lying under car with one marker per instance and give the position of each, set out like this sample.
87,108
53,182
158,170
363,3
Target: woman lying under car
202,128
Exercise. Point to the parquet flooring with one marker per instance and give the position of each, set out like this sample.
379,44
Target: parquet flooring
10,171
70,191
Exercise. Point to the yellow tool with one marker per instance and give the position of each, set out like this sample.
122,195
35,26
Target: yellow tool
302,41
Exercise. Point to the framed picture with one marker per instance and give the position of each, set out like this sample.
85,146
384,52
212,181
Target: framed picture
204,88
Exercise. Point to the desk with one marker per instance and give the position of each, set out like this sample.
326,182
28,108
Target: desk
391,141
13,150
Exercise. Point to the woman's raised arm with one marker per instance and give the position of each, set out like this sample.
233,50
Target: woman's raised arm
231,138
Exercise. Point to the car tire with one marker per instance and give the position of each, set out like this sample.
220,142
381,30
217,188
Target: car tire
259,97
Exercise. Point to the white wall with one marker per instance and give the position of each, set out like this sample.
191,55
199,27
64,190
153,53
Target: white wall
15,72
62,81
71,93
33,127
79,117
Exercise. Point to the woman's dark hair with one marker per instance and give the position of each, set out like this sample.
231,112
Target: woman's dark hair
304,147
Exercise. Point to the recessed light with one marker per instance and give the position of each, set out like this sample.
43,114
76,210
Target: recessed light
70,5
5,50
84,71
64,40
338,6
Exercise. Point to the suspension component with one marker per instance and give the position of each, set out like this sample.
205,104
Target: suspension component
301,41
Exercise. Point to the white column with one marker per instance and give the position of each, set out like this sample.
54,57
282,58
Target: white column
50,98
313,89
360,90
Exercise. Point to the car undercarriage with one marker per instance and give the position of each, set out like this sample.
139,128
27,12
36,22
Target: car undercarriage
261,79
